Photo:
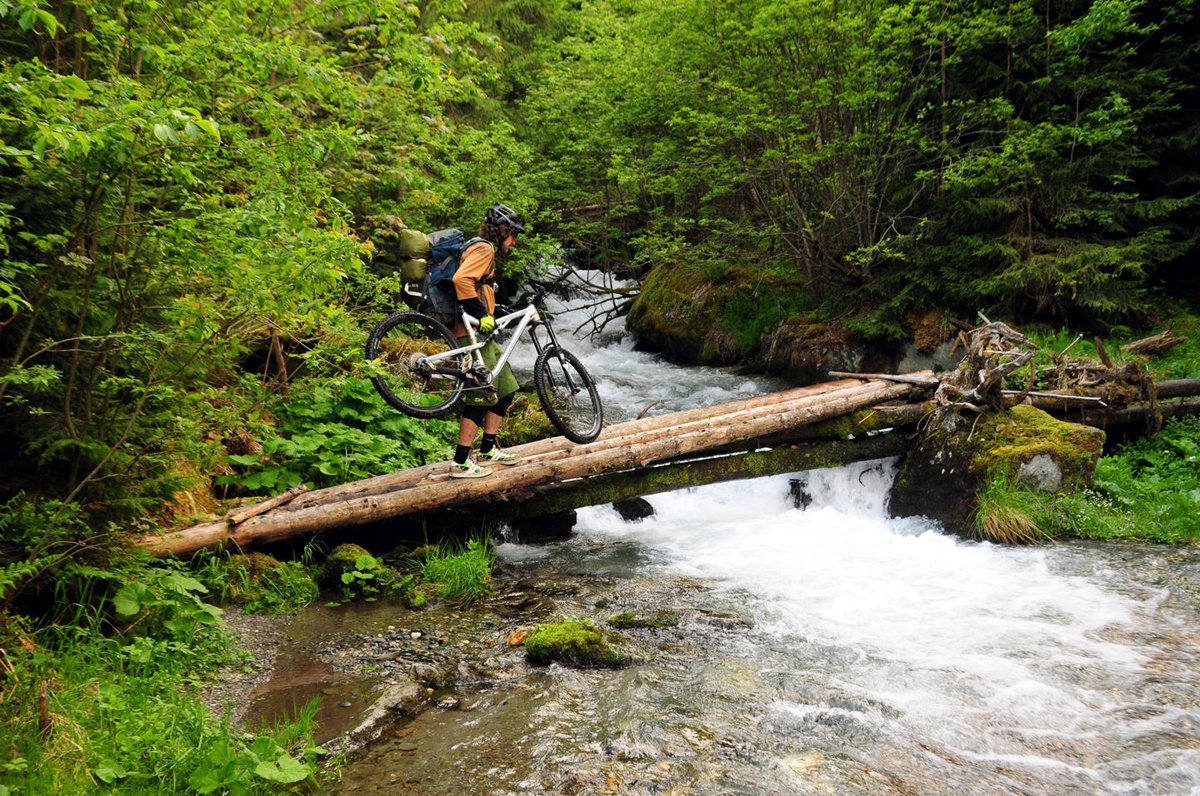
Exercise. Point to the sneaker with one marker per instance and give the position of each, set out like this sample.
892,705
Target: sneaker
468,470
498,456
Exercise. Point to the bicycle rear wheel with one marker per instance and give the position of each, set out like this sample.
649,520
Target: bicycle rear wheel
568,395
398,348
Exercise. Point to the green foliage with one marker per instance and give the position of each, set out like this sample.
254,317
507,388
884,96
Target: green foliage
122,708
176,194
461,574
256,581
337,431
1156,481
265,763
1012,158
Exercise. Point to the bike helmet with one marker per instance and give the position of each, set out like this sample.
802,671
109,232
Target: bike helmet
504,216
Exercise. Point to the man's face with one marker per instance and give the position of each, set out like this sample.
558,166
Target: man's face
509,241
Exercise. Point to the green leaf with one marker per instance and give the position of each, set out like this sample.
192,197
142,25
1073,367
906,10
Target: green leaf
109,772
131,599
283,768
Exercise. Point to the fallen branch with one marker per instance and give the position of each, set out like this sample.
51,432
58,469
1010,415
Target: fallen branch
240,516
1153,344
1061,396
921,381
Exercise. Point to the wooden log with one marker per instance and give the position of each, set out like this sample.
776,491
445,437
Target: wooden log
1133,413
351,511
1177,388
609,437
1154,343
553,498
441,473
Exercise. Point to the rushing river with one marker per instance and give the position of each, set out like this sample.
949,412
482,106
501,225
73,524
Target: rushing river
828,649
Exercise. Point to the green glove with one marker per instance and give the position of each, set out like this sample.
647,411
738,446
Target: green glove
487,324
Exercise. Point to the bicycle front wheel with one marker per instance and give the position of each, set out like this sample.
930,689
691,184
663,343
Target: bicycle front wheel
399,348
568,395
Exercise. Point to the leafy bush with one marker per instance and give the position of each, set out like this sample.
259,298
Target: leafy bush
339,431
257,582
359,575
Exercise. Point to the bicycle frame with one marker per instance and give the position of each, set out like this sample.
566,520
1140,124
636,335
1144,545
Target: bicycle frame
526,318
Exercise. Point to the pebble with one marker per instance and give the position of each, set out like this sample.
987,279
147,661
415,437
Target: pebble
416,634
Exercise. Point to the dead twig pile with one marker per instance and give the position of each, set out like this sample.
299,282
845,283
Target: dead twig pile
993,351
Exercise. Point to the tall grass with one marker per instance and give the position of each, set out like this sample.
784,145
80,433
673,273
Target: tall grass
462,574
1008,513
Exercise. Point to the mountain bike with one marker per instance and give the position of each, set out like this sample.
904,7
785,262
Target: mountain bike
421,369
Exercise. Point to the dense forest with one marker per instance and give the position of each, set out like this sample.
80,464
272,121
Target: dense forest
199,205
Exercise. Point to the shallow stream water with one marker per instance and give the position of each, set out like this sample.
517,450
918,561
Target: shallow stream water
829,649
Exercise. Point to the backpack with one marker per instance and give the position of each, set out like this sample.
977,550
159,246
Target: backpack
434,293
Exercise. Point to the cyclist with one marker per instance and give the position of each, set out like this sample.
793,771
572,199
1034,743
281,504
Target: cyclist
475,289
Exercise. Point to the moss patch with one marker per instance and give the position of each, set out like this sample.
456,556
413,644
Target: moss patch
1009,440
261,583
351,569
576,642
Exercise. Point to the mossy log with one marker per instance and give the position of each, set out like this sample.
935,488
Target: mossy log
553,498
628,446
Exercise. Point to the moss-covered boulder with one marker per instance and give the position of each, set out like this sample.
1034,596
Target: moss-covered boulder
576,642
261,583
715,312
244,576
957,457
352,570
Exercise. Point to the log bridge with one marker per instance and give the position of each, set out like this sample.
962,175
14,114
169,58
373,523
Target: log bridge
789,431
643,456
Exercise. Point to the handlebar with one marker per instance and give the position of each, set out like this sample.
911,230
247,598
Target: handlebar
540,291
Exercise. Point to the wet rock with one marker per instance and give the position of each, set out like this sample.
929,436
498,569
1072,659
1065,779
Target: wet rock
629,619
726,621
427,674
800,494
545,527
634,509
1041,473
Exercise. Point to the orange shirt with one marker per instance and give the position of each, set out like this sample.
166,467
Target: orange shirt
473,279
